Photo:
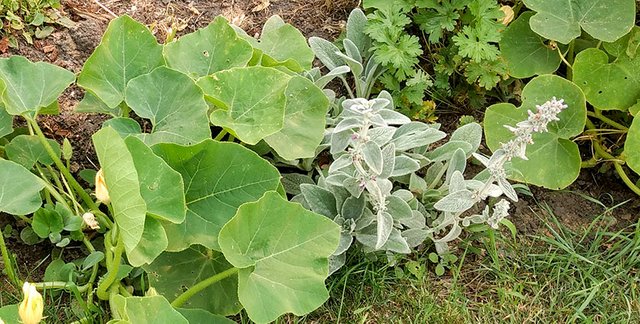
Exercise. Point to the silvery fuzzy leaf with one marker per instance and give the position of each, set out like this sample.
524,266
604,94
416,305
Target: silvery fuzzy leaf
415,236
456,202
322,81
417,184
381,135
343,161
388,161
353,207
404,165
475,219
417,220
441,248
337,179
414,134
352,51
446,151
355,66
457,182
356,24
345,242
404,194
396,243
340,141
331,96
325,52
385,186
320,200
313,74
348,124
453,234
435,172
379,103
336,262
398,208
470,133
418,157
507,189
372,155
300,199
353,186
367,218
340,193
481,158
492,190
383,228
393,117
457,163
377,120
292,181
483,175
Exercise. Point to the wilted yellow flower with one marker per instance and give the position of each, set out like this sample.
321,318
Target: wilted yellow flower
90,220
508,15
1,321
101,188
30,309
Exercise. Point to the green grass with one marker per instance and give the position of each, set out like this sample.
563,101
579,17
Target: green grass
585,276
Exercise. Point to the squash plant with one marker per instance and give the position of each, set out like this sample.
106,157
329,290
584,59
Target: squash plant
598,42
185,227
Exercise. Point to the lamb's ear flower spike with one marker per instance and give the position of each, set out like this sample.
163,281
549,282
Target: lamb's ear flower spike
101,188
32,306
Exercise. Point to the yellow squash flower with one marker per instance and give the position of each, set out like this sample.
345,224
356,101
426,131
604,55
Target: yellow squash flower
101,188
30,309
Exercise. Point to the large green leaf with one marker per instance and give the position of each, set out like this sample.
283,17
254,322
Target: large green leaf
632,146
561,20
607,85
211,49
174,104
121,178
282,250
172,273
161,186
202,316
27,87
251,101
553,160
147,310
9,313
26,150
19,189
152,243
218,177
304,121
280,44
6,122
525,51
128,49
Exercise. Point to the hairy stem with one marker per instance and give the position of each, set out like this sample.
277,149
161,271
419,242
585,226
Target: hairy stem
112,271
8,263
602,118
180,300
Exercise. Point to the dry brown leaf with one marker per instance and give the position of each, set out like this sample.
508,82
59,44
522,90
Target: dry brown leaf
262,6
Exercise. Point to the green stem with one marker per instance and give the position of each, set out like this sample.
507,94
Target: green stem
59,285
202,285
8,264
625,179
65,172
604,119
220,135
112,273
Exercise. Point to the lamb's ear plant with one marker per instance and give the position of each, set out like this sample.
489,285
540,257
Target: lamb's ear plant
170,199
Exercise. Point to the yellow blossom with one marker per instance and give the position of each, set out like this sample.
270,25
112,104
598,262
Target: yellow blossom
101,188
508,15
30,309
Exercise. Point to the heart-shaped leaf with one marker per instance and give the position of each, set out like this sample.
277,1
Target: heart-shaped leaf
152,243
174,104
607,85
208,50
561,20
147,310
282,250
632,146
172,273
19,189
27,88
218,177
554,160
525,51
127,50
304,121
26,150
121,178
250,101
